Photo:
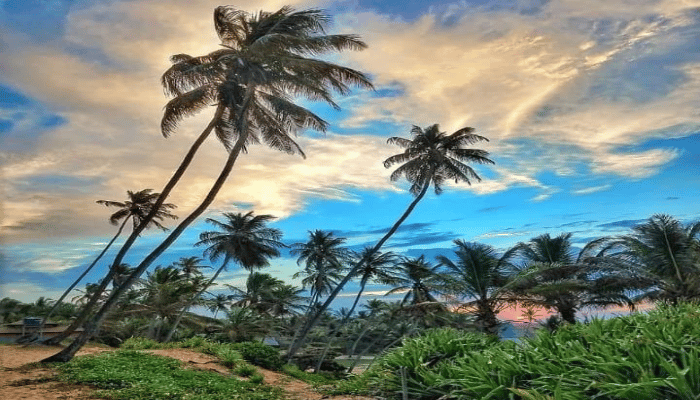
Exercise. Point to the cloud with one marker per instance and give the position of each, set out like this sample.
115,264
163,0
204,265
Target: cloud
549,85
111,142
626,223
27,292
558,75
592,189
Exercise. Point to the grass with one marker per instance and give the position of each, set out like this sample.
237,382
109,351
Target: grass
642,356
128,374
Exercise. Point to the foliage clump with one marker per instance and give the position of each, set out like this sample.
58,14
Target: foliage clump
641,356
128,374
260,354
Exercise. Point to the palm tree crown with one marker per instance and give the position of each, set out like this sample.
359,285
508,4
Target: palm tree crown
323,257
264,63
434,156
476,275
418,278
663,254
243,238
137,207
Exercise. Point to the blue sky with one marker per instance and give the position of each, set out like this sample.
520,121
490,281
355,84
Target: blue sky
591,108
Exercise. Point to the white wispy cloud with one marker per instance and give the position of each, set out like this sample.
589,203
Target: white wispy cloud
592,189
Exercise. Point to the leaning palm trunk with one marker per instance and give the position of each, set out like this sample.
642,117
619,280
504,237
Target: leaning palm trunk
312,321
85,314
91,326
192,301
87,270
342,324
364,352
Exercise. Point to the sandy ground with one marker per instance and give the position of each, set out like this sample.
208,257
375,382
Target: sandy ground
21,379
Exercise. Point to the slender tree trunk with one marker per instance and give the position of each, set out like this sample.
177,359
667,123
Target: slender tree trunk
342,324
311,322
364,352
359,338
194,298
91,326
85,314
87,270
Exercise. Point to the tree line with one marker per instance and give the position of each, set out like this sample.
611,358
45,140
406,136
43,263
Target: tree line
267,60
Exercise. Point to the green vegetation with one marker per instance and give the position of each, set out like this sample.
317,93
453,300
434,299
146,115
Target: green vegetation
245,370
315,379
128,374
641,356
260,354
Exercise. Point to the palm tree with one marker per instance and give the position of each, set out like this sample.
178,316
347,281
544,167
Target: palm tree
377,268
418,279
431,157
218,303
258,291
164,294
244,324
190,266
323,259
242,238
135,208
553,278
663,254
478,274
267,294
264,63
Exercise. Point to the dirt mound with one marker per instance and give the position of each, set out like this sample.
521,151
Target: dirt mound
22,378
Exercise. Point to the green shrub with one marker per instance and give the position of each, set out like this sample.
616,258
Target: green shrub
140,343
641,356
195,342
229,357
245,370
257,378
137,375
308,377
260,354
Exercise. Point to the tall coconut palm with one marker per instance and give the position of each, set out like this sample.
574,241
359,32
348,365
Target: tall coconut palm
267,60
430,158
242,238
662,252
477,275
135,209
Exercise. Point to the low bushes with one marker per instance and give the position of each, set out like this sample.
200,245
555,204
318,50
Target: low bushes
642,356
260,354
127,374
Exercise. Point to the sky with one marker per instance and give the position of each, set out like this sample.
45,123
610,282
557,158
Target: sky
591,109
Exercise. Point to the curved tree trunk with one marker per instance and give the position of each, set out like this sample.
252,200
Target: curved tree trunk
311,322
342,324
85,314
194,298
87,270
91,326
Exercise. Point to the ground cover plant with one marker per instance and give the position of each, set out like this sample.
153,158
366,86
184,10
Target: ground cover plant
129,374
641,356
